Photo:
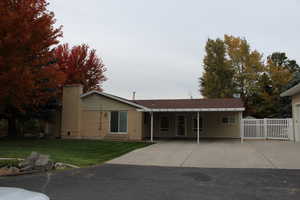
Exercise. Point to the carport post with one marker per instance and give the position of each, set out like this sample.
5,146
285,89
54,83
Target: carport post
242,128
151,137
198,124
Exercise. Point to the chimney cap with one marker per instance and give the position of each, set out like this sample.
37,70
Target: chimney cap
73,85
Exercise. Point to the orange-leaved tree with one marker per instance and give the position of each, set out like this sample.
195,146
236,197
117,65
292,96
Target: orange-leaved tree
29,76
81,65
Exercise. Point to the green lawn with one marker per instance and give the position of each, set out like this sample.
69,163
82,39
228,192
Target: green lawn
77,152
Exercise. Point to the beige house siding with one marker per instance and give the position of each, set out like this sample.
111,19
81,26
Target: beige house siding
215,128
89,117
212,125
296,120
91,124
295,102
97,102
100,104
95,125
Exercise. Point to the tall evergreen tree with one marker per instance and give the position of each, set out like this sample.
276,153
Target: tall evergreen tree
280,73
217,79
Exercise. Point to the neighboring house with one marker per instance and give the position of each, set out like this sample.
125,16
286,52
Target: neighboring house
294,92
98,115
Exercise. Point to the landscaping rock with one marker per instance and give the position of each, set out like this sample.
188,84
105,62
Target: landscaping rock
36,161
8,171
13,170
4,171
43,160
29,162
60,165
44,163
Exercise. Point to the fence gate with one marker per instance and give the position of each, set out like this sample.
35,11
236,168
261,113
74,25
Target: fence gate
267,129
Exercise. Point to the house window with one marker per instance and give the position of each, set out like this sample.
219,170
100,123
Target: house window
118,122
195,124
164,124
230,119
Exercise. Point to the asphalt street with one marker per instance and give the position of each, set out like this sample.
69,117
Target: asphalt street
129,182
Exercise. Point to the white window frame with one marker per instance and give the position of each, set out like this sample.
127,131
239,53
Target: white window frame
164,129
232,119
126,132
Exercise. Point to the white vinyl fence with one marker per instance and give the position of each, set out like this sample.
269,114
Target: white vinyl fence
267,129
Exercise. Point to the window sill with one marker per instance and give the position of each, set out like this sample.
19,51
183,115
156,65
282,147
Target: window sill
118,133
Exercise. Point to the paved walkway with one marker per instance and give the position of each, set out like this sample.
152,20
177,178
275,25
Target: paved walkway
216,154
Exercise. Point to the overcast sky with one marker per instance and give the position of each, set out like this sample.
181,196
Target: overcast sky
156,47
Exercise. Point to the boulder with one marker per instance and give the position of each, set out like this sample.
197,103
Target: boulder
29,162
8,171
4,171
59,165
36,161
13,170
44,163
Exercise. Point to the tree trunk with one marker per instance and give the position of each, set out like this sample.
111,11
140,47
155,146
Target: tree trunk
12,127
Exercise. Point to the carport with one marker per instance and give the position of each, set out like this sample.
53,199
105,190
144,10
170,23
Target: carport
191,118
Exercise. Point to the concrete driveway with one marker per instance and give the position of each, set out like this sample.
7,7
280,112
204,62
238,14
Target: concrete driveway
216,154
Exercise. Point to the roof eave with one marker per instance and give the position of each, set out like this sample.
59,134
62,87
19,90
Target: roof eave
191,109
285,94
292,91
114,98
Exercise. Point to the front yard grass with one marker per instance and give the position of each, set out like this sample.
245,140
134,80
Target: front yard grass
78,152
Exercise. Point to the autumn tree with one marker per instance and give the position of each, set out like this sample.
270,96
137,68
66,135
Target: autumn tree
280,60
261,102
258,82
28,75
280,74
241,64
247,65
217,79
80,64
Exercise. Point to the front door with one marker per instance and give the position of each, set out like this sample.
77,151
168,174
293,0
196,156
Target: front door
180,125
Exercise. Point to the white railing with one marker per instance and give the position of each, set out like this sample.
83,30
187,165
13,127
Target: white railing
267,129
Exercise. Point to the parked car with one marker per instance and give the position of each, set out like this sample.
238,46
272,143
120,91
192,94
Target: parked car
9,193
